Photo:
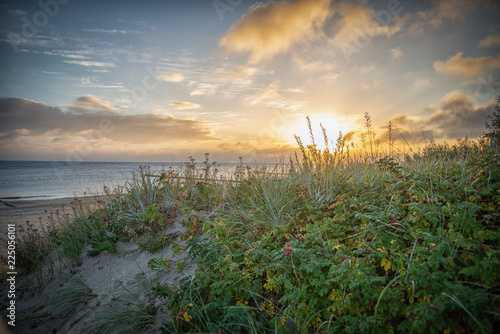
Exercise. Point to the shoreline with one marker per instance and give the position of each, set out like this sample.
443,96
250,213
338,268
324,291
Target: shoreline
22,210
35,211
38,212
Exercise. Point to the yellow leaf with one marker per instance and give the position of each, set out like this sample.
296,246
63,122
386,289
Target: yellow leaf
383,250
186,316
386,264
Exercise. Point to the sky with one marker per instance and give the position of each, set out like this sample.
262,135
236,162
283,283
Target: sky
165,80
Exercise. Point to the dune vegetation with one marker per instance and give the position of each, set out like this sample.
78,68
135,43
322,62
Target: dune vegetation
331,241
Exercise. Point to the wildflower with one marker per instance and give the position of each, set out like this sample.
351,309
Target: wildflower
187,317
288,250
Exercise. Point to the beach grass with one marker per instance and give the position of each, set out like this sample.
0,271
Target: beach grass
344,239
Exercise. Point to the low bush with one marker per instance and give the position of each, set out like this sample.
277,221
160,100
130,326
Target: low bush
403,247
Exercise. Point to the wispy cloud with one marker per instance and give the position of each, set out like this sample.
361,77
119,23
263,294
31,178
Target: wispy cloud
196,92
91,103
317,65
466,67
184,105
39,41
271,28
88,63
270,92
112,31
239,72
59,53
396,53
421,82
171,77
489,41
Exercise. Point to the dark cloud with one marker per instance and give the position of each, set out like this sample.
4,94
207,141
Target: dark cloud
456,117
95,119
91,103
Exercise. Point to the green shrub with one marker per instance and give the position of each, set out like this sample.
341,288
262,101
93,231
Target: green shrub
406,247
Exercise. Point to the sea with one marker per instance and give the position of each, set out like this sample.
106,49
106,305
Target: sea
60,179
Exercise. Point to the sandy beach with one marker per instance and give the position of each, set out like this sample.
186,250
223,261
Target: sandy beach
36,212
107,277
20,211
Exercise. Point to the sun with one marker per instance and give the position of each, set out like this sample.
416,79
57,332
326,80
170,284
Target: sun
332,125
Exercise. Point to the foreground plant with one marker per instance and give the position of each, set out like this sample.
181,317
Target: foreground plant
331,242
410,247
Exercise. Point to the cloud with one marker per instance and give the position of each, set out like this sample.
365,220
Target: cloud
466,67
91,103
489,41
196,92
39,41
456,117
113,31
60,53
239,73
421,82
24,120
396,53
271,28
356,22
268,93
313,65
184,105
88,63
15,133
446,10
171,77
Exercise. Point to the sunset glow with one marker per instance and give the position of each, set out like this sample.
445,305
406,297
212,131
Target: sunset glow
164,80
